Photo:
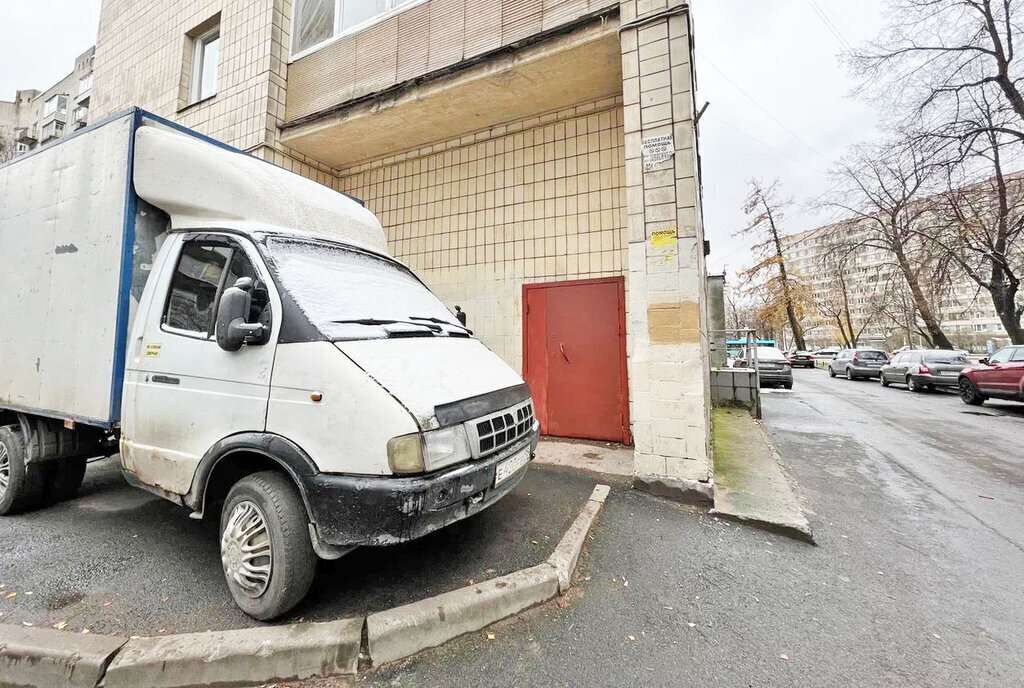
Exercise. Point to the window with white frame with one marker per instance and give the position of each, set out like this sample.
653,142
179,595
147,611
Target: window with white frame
85,83
205,58
57,104
52,130
20,148
80,113
318,21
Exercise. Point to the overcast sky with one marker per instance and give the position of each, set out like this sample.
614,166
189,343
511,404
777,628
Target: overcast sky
779,97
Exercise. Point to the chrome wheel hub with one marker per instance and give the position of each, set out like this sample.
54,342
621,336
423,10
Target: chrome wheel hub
245,549
5,469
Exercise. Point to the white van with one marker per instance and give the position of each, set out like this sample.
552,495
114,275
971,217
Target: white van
245,339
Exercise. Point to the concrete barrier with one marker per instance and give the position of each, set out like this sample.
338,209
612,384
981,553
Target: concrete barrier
238,658
54,659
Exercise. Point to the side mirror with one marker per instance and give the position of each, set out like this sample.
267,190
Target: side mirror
984,361
232,329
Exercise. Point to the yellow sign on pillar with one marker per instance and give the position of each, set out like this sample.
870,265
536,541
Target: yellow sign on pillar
663,238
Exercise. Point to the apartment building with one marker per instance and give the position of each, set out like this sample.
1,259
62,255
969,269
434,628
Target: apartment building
534,161
35,118
881,309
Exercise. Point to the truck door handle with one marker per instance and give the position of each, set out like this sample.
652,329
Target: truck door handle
564,355
166,379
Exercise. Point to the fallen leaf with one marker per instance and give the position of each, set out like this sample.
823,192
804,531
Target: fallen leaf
632,637
534,542
26,623
29,592
162,630
668,608
784,657
60,625
490,636
691,624
471,582
85,631
936,635
11,595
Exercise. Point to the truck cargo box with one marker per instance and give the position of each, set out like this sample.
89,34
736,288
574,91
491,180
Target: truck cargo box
76,246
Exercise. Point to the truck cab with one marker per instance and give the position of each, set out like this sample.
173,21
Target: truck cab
284,374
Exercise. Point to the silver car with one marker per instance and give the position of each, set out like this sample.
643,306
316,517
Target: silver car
855,364
773,368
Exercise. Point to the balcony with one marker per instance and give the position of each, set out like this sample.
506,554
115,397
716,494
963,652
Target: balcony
26,135
84,91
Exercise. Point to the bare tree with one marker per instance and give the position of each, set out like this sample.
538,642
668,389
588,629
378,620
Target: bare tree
769,275
978,226
936,54
884,188
8,148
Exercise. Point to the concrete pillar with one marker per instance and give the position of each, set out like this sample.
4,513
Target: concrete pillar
669,373
716,319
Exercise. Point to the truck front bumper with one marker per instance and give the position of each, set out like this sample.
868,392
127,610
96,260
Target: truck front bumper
354,510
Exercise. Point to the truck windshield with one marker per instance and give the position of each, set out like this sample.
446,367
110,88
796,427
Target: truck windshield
350,294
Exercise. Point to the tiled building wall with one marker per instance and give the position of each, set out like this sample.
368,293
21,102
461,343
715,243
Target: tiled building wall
669,374
422,39
142,60
532,201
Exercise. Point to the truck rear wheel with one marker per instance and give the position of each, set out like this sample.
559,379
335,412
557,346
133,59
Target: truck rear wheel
22,484
266,552
66,479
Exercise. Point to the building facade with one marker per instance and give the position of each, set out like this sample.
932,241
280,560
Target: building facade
502,144
870,287
35,118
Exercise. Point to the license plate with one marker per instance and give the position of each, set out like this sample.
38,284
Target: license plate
949,372
510,466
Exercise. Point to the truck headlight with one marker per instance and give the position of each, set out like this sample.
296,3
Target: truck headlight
405,453
446,446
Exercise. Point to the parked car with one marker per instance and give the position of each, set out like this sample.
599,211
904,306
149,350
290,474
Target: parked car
828,353
999,376
857,363
804,359
773,368
924,370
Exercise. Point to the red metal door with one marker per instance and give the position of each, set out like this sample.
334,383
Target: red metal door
574,358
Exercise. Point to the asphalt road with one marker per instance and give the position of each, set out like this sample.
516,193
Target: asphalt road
119,560
917,578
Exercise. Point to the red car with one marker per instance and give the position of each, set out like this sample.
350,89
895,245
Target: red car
1000,376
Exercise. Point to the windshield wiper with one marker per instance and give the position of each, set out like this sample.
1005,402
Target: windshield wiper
378,321
440,322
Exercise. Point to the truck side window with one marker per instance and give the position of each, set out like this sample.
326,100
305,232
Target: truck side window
242,267
191,301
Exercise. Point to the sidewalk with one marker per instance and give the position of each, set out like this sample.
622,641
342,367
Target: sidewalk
750,483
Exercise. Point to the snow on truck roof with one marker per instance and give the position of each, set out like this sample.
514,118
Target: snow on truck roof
202,186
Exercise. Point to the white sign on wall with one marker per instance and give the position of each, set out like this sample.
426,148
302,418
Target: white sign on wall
656,150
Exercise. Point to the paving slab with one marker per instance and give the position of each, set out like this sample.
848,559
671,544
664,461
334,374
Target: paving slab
609,458
750,483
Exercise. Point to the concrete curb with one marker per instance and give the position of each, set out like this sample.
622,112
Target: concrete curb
567,553
238,658
794,529
44,658
55,659
404,631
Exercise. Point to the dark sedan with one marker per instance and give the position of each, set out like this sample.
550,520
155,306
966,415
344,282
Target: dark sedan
924,370
801,359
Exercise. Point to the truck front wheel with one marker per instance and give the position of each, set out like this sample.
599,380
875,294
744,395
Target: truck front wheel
22,484
265,549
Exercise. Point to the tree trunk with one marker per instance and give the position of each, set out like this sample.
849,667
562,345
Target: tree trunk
798,334
936,336
1004,298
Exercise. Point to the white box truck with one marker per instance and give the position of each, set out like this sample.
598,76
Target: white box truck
241,335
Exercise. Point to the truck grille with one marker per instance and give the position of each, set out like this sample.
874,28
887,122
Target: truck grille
497,430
